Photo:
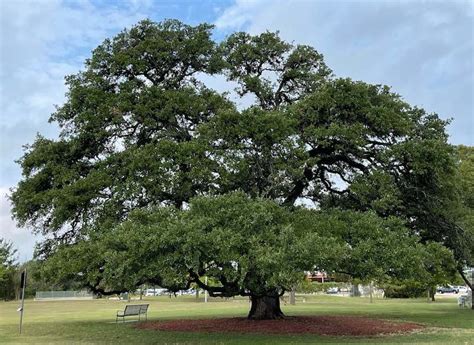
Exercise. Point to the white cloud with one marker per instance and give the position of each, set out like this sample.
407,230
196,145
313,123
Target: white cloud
22,239
235,17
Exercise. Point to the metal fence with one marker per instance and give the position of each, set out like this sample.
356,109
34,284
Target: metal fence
40,295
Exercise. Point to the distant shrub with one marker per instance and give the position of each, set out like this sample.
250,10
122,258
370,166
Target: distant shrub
407,290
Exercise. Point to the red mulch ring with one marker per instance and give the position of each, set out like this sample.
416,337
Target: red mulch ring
320,325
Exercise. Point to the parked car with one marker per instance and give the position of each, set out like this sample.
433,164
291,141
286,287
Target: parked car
332,290
155,292
186,292
447,289
462,289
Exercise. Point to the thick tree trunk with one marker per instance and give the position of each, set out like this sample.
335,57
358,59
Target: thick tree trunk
265,308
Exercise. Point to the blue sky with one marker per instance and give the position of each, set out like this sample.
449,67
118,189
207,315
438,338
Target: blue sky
422,49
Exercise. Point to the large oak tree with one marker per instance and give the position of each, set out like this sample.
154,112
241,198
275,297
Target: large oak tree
141,131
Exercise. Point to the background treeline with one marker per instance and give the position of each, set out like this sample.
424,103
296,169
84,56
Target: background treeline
10,271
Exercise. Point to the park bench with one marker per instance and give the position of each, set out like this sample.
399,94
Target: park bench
133,310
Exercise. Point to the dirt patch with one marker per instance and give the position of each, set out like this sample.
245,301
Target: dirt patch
321,325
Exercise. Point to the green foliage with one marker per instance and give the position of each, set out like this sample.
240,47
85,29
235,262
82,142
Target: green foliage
252,61
466,210
409,289
248,246
8,267
439,264
244,244
142,137
37,280
437,267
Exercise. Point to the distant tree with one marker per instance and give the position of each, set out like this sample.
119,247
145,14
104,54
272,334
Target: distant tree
37,280
140,130
8,268
440,268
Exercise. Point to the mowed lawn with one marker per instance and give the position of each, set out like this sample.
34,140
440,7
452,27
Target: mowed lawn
93,321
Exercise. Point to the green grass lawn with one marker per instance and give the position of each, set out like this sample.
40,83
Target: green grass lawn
93,322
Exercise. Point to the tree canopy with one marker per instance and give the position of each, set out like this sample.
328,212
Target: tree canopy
251,247
141,132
